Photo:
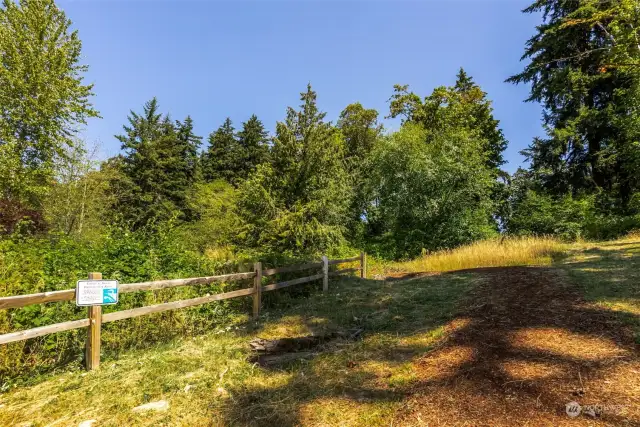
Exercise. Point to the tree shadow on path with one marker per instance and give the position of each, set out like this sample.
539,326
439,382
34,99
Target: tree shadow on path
525,344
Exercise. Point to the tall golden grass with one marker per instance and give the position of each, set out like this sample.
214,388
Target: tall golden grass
487,253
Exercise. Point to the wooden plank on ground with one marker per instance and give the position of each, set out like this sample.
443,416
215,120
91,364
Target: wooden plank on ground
299,281
141,311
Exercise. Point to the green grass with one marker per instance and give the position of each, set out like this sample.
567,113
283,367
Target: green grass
346,382
609,276
363,379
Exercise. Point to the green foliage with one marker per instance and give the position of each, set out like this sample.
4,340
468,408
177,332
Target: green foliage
214,205
464,105
79,199
233,156
539,214
157,169
221,157
43,102
590,104
47,264
297,202
428,195
360,129
254,148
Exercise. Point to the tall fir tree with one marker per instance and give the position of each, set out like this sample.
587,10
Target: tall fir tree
481,117
590,99
157,168
254,147
297,203
221,159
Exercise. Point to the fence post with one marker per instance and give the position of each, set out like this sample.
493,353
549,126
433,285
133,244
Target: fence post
257,289
325,272
92,355
363,265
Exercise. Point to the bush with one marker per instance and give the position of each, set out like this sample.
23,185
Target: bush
540,214
56,262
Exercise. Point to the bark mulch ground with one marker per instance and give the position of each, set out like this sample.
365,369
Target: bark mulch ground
525,347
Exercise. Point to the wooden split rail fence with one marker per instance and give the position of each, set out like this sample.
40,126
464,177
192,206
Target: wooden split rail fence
96,318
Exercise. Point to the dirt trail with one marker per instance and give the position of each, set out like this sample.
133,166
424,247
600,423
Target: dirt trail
526,346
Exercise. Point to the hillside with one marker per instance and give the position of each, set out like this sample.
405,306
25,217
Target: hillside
501,345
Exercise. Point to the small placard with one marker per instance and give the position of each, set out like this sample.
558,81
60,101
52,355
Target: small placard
96,292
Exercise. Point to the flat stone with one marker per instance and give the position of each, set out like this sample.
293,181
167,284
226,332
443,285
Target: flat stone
87,423
160,405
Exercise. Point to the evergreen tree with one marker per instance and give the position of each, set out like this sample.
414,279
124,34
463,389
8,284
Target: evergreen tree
157,168
481,118
221,160
297,202
590,101
189,144
254,148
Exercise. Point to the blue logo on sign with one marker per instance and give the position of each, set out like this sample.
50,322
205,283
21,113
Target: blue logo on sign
109,296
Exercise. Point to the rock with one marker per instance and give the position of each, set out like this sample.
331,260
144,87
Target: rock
222,392
87,423
187,388
160,405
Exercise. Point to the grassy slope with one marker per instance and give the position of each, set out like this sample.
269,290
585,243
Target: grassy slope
609,276
349,383
400,319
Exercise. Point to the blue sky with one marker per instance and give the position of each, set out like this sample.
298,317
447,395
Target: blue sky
213,59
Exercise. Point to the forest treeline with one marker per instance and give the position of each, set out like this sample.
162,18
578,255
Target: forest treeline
176,204
316,184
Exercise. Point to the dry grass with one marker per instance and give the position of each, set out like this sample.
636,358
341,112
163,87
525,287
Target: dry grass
488,253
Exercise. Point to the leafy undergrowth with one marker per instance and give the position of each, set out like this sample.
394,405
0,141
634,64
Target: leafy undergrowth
486,253
352,382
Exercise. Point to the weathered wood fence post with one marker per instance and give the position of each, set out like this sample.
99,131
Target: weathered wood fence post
325,273
92,355
363,265
257,289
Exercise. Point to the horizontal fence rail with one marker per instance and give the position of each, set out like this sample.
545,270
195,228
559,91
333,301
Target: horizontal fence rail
96,318
70,294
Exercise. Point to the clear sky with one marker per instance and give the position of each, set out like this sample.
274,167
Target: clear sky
212,59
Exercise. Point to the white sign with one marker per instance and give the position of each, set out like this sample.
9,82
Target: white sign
96,292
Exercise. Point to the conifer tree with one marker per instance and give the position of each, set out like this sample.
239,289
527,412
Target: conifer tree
297,202
582,71
157,168
221,160
254,148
